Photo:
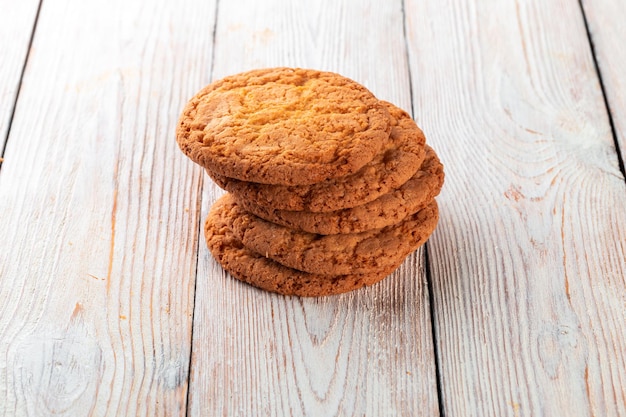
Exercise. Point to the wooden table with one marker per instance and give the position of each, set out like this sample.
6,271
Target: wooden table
110,303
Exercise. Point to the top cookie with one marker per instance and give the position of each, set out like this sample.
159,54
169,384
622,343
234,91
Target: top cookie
283,126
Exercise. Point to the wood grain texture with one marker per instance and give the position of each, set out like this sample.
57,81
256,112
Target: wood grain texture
368,352
608,32
528,261
16,26
99,212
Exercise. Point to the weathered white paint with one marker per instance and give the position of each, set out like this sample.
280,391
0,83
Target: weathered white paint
528,262
99,212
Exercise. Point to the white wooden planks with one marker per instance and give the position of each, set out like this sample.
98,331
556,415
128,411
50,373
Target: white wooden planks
100,212
16,26
528,262
365,353
608,32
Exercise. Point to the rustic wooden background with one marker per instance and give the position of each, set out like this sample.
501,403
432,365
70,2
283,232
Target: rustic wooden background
110,303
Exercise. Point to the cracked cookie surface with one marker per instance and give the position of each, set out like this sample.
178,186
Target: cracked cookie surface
283,126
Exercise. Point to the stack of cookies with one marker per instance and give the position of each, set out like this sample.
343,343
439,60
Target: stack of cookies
329,189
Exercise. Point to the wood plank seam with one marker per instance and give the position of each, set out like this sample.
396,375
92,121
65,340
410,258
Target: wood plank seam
212,65
433,331
620,160
408,62
19,82
199,228
195,284
427,267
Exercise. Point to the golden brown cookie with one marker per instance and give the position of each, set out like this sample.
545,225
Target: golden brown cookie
261,272
391,168
354,253
386,210
283,126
